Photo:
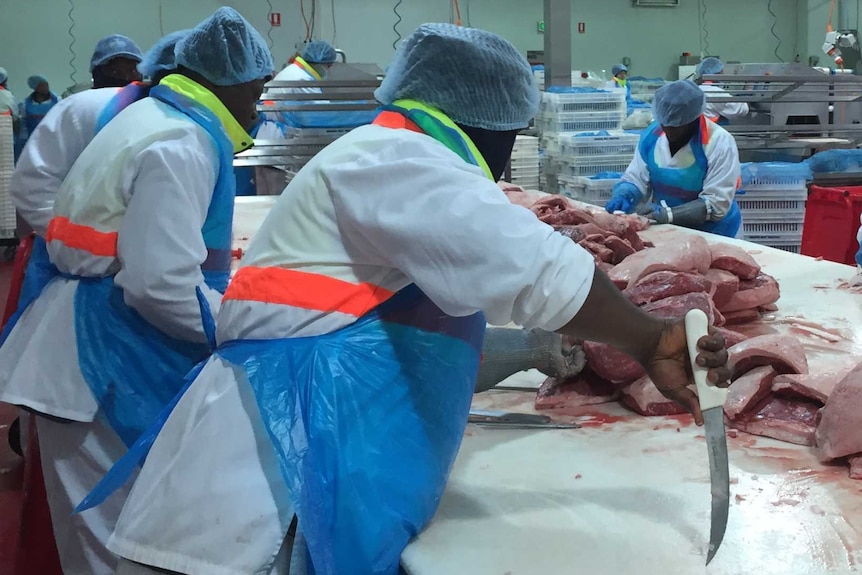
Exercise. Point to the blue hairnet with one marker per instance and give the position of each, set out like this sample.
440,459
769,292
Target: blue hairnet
226,50
475,77
618,68
319,52
114,46
4,75
709,67
35,80
678,103
160,57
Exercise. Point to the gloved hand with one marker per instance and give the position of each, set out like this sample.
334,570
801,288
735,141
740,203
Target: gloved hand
625,198
657,214
561,357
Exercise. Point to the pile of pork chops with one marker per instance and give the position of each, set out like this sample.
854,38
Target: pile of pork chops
772,394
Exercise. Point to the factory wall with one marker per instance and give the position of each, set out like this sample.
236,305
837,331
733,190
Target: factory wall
36,32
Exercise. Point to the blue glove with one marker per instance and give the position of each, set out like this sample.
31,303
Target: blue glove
626,197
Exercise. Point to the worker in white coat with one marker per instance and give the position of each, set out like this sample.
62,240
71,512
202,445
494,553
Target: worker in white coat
325,426
686,169
114,64
8,106
53,148
720,112
141,240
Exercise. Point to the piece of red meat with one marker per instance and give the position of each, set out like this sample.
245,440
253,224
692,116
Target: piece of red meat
789,419
690,254
586,389
749,390
666,284
731,338
575,233
644,398
725,283
599,250
820,383
549,205
753,294
740,317
782,352
839,432
677,306
611,364
605,267
735,260
621,248
856,467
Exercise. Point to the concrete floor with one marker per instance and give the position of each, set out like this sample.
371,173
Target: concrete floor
11,466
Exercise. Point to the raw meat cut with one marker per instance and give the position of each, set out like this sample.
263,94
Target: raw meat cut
575,233
749,390
839,432
740,317
753,294
731,338
621,248
819,384
689,255
549,205
586,389
725,283
601,253
676,307
790,419
782,352
661,285
605,267
856,467
611,364
643,397
735,260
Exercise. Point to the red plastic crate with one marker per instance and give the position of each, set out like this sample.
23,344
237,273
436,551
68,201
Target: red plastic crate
831,223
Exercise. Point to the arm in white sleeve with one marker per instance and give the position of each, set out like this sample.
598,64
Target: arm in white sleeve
732,110
722,177
457,237
51,151
160,244
638,174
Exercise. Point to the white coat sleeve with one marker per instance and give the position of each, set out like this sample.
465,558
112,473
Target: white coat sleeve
638,174
50,152
455,235
722,176
160,245
732,110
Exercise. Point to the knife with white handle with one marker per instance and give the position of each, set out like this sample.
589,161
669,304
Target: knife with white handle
711,399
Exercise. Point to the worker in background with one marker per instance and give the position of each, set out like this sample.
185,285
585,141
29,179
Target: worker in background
349,340
141,238
719,112
620,79
37,104
10,108
686,168
114,64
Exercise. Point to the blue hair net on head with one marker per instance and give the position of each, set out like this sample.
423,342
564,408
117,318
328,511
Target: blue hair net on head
475,77
678,103
115,46
4,75
319,52
618,68
160,57
35,80
709,66
226,50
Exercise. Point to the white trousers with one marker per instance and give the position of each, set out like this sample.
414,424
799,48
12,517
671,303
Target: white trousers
75,456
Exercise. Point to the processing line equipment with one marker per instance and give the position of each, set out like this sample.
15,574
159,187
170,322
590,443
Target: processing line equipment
310,120
792,106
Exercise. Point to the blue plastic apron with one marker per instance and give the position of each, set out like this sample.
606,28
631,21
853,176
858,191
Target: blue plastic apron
145,368
40,271
35,111
678,186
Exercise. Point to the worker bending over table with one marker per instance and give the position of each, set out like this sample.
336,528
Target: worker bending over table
325,425
141,243
685,170
719,112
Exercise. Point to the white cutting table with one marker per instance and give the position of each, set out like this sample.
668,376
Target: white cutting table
630,495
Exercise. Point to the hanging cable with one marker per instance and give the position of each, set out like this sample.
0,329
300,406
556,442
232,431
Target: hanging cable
774,24
334,25
705,28
700,26
395,26
304,19
269,16
74,55
161,20
313,17
467,12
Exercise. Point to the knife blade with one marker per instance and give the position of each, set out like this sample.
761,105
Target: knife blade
711,399
509,420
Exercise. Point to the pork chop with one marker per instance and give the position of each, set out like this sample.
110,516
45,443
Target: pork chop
735,260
